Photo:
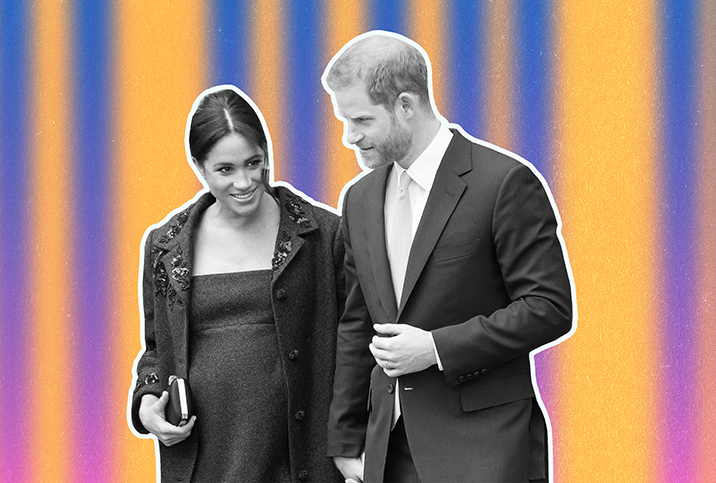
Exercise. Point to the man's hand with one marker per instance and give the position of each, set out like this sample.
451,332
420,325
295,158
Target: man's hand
350,467
151,413
402,349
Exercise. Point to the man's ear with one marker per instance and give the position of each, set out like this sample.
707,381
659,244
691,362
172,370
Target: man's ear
406,104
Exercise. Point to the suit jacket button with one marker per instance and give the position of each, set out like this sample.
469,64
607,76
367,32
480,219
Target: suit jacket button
303,475
483,371
281,294
293,355
300,415
461,378
477,373
390,389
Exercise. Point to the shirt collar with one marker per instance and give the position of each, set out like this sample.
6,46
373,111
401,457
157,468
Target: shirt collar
425,167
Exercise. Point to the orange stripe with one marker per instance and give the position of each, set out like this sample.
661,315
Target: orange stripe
500,78
344,20
160,68
51,253
707,244
267,62
426,21
606,172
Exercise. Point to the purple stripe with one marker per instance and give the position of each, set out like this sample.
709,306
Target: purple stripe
15,390
305,97
678,316
92,277
467,59
231,28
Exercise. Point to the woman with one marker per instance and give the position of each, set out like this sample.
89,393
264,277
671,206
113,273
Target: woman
242,291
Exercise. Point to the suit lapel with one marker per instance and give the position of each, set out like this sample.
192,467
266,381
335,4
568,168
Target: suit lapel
444,197
375,233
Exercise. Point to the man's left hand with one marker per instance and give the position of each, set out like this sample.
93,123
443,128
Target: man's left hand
402,349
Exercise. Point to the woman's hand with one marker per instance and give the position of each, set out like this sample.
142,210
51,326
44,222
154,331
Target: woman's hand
151,413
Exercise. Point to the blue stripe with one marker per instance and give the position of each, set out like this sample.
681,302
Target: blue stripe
533,129
306,98
467,66
533,51
230,44
680,91
93,171
387,15
14,232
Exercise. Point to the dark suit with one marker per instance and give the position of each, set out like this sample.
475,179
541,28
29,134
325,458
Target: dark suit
488,277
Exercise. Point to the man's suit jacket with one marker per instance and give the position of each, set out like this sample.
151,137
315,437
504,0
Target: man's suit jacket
487,275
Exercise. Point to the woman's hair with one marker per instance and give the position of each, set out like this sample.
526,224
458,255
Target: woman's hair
220,113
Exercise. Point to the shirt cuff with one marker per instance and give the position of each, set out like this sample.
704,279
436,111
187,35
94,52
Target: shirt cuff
437,356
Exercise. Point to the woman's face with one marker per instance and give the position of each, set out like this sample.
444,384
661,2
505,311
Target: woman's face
232,170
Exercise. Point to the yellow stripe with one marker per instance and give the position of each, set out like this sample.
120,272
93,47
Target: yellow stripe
607,177
51,302
426,21
160,67
344,20
267,61
707,242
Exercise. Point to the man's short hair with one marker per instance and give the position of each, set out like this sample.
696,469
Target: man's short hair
388,65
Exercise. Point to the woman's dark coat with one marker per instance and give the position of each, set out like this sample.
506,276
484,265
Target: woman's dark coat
307,296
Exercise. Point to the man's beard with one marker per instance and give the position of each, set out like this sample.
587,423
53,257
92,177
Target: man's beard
391,149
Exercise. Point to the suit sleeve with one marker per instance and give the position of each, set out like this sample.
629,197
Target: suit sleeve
339,253
148,371
532,262
348,418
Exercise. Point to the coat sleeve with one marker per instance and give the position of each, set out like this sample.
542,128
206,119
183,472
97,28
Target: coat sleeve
348,418
149,375
533,266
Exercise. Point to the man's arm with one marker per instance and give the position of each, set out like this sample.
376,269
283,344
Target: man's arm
348,417
534,272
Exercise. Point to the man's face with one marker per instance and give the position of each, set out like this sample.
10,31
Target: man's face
381,137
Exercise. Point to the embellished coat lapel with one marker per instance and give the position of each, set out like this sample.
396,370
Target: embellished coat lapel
296,221
173,259
444,197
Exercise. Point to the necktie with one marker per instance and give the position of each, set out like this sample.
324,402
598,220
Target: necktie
402,235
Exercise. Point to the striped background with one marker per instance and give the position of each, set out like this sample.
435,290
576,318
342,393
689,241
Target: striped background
615,103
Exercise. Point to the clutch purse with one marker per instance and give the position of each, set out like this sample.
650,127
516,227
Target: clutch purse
179,407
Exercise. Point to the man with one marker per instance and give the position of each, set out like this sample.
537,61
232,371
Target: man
455,273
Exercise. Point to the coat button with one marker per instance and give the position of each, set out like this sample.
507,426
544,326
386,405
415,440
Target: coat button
293,355
390,389
303,475
300,415
281,294
483,371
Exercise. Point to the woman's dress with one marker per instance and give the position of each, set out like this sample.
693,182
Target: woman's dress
237,380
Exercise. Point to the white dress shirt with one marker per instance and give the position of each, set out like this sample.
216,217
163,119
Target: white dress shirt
423,172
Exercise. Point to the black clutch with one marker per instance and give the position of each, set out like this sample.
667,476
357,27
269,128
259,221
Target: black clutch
179,408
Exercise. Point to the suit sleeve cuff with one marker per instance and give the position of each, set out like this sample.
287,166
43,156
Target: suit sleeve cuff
437,356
